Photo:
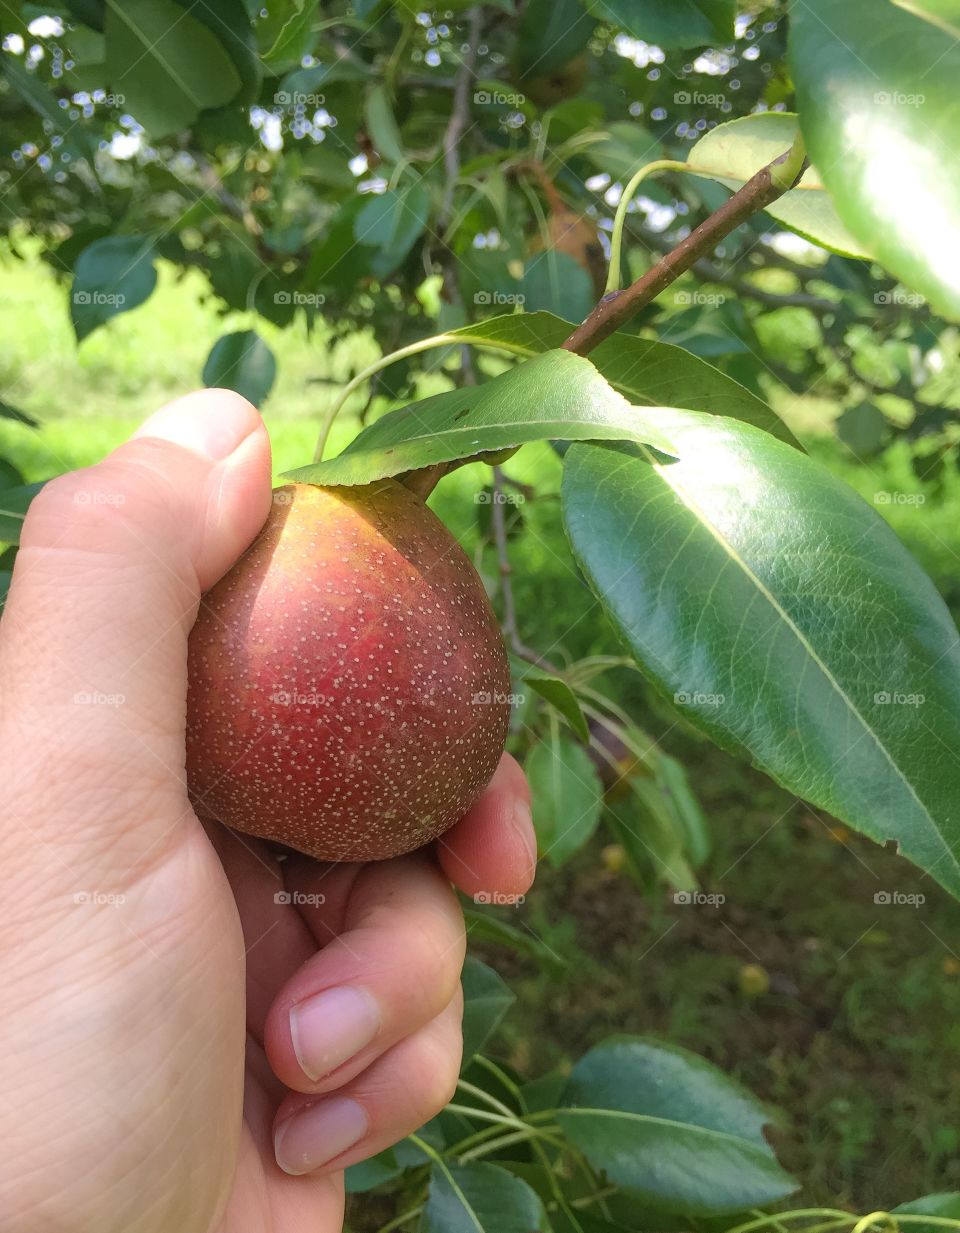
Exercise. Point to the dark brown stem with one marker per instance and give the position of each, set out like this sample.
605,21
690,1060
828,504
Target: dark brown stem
510,628
615,309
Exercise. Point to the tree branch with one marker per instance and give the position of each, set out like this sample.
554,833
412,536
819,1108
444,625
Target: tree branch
617,308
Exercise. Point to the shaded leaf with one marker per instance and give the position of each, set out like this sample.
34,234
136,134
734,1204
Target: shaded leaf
559,694
681,23
480,1198
243,362
486,999
566,793
110,276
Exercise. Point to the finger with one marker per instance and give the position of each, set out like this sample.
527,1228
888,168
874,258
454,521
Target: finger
104,593
394,1097
493,849
393,969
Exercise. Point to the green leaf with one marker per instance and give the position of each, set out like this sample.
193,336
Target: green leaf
243,362
785,618
110,276
556,395
483,926
552,279
551,33
863,429
292,30
943,1205
38,95
12,413
382,126
650,830
877,96
165,64
229,24
373,1172
647,373
392,221
733,152
680,23
566,793
14,503
486,999
480,1198
560,696
670,1127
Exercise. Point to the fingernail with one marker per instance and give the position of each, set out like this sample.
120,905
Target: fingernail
331,1027
211,424
319,1133
523,825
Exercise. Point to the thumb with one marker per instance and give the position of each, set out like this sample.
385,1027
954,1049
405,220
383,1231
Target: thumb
104,593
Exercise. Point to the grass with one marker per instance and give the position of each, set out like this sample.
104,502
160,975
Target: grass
858,1036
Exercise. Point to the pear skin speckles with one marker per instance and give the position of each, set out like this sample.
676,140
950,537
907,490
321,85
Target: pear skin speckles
347,680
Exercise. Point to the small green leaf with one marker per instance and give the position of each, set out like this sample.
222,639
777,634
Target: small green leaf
566,793
382,125
559,694
877,95
243,362
551,33
733,152
553,280
293,38
392,221
785,618
165,64
229,24
679,24
670,1127
945,1205
486,999
110,276
480,1198
556,395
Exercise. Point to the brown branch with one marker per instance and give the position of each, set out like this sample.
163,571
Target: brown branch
615,309
459,115
511,631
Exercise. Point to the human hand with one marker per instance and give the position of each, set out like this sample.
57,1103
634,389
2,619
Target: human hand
181,1007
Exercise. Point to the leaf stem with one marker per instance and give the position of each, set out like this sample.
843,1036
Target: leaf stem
616,239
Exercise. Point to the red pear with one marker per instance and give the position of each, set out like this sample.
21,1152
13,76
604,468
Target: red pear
347,680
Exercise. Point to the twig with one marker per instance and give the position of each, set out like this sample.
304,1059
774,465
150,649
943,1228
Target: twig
509,625
616,309
459,115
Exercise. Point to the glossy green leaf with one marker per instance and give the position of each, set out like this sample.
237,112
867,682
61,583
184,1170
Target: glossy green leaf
486,999
165,64
243,362
646,372
945,1205
566,793
229,24
668,1126
731,153
553,280
110,276
556,395
480,1198
560,696
785,618
392,222
14,503
680,23
551,33
294,39
877,95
